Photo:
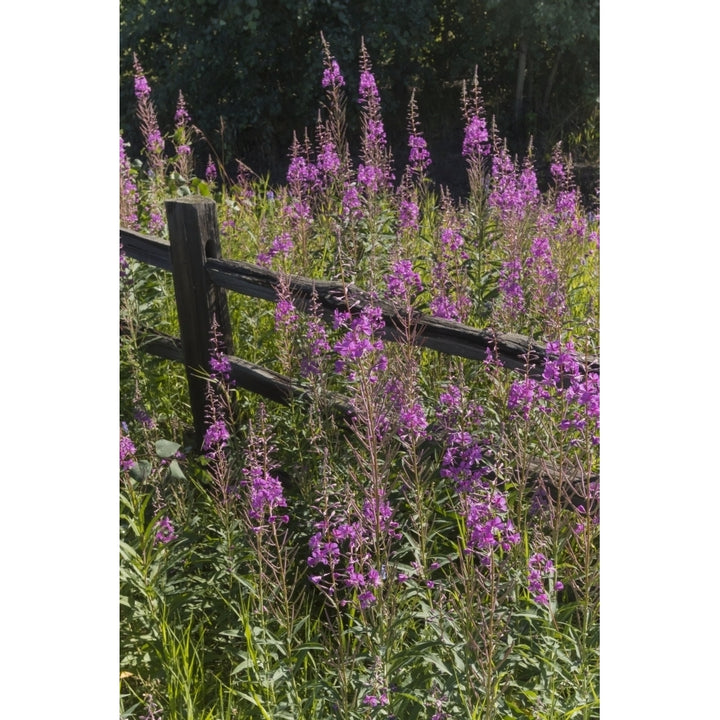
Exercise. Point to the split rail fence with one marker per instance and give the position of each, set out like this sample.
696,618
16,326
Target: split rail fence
201,278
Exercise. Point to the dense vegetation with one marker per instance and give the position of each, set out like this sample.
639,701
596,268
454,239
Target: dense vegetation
254,65
435,556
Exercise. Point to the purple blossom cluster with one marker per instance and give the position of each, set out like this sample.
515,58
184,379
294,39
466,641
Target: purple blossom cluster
220,367
165,531
408,215
512,295
476,141
546,277
374,172
266,495
144,418
403,283
265,492
376,700
522,396
129,197
564,385
316,346
369,94
419,154
466,464
282,245
154,142
351,202
302,174
332,77
328,162
449,301
285,314
142,88
580,390
182,116
413,423
127,452
341,552
463,459
513,193
360,341
371,177
488,524
540,569
211,172
216,437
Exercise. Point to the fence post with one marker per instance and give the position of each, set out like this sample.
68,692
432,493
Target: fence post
194,237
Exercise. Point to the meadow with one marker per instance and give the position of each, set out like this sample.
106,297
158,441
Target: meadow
435,554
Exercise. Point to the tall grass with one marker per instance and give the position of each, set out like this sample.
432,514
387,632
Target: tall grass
436,556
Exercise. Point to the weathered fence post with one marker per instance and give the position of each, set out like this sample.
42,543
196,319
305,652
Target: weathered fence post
194,237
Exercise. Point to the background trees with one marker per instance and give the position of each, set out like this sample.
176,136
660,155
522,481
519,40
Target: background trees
250,70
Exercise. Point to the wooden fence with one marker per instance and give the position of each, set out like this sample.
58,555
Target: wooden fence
201,277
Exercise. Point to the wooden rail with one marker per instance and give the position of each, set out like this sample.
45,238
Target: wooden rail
201,277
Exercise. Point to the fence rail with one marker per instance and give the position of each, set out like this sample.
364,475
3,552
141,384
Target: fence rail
201,276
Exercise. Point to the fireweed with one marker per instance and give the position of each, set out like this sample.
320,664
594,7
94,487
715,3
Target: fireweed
128,191
183,140
436,551
154,148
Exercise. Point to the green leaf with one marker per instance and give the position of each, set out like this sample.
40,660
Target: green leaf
166,448
140,470
175,471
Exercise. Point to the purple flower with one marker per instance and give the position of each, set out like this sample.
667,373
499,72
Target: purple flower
419,154
408,215
351,201
325,553
527,185
142,89
504,194
266,494
509,283
413,422
210,171
127,453
360,339
216,436
368,88
220,367
182,117
165,531
476,141
317,345
487,525
403,282
143,417
285,315
539,568
332,77
281,245
302,173
328,161
373,178
128,191
521,396
265,491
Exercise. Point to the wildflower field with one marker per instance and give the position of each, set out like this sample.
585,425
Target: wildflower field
435,553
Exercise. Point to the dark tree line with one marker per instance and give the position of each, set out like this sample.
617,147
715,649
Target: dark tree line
250,70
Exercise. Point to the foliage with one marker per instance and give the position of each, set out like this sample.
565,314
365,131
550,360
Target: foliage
249,67
435,555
